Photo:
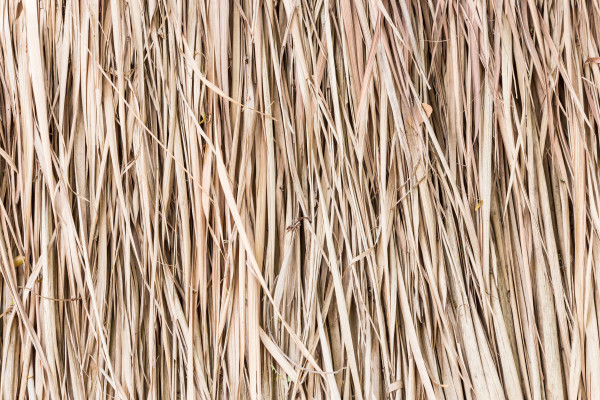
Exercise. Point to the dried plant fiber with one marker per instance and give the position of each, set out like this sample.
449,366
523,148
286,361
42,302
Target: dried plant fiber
299,199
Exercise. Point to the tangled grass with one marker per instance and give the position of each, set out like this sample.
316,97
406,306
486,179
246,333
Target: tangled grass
308,199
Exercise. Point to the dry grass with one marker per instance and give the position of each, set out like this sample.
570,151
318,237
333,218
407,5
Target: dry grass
358,199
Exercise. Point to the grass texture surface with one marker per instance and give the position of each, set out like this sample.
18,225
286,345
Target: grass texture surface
299,199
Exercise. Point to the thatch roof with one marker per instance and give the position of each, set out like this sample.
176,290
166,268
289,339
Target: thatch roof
358,199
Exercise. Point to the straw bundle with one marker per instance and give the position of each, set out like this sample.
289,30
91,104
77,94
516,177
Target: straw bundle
308,199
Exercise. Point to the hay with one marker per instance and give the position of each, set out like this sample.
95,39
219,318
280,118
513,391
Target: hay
299,199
